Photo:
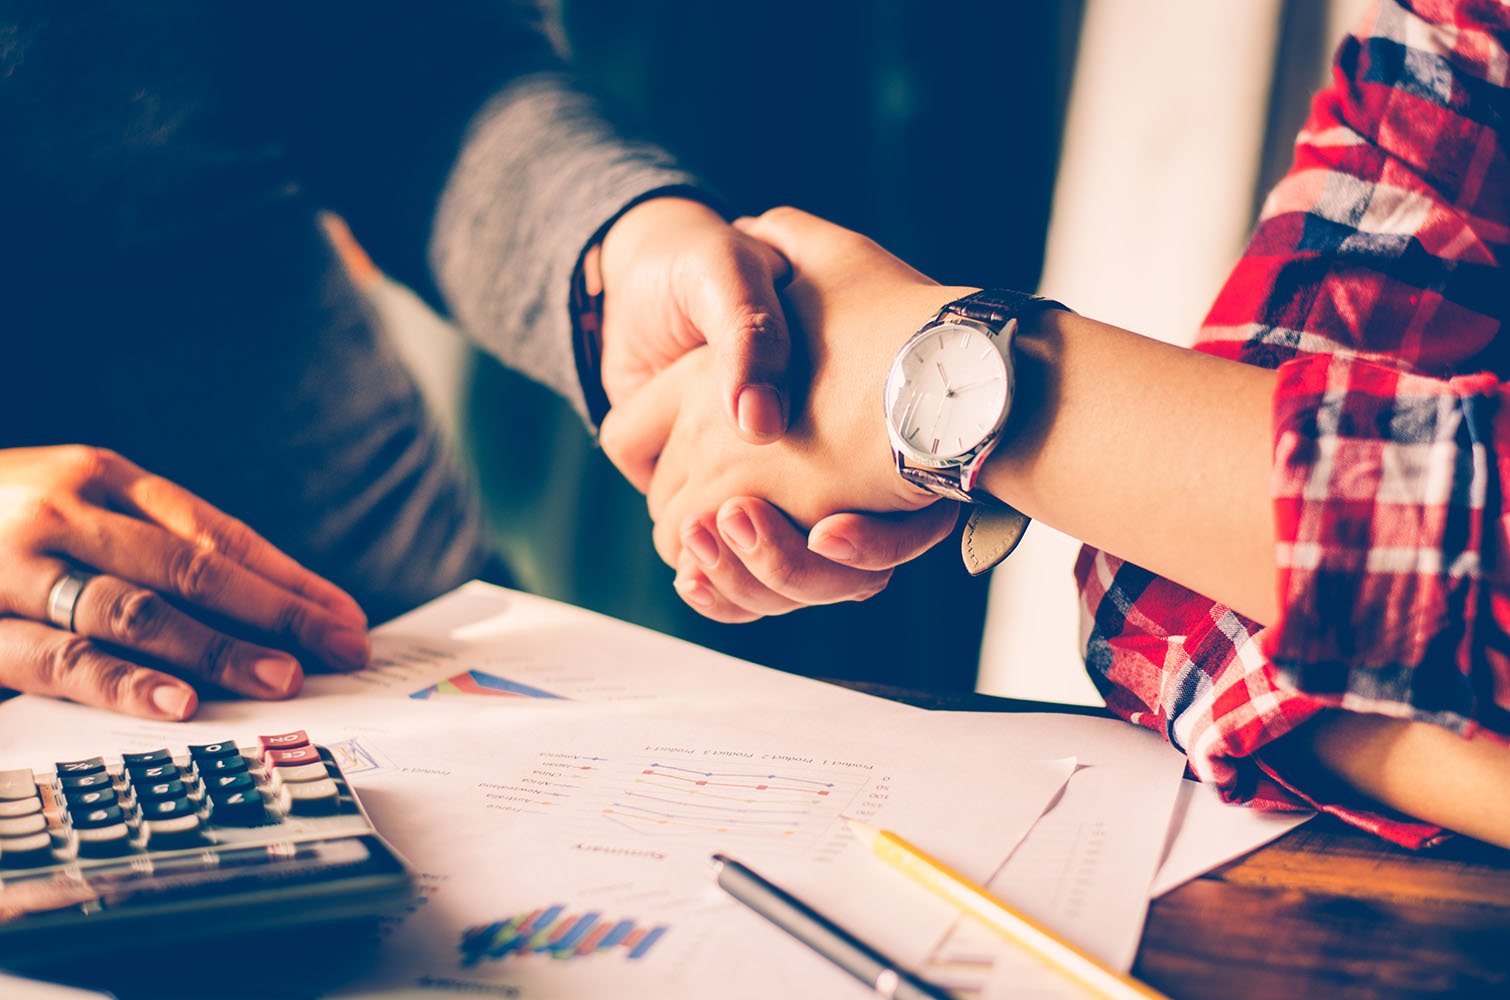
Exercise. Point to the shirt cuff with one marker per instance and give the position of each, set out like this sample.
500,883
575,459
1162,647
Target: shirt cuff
587,298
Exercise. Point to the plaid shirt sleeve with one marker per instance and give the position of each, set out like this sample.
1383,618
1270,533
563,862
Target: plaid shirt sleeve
1374,283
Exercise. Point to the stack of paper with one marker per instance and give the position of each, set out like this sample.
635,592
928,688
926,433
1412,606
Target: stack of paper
540,765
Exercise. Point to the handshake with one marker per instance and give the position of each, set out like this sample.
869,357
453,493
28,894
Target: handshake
755,521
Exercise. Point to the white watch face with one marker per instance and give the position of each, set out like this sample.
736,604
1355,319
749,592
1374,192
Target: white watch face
947,392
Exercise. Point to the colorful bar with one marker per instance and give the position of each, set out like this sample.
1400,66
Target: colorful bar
578,931
560,934
644,946
563,927
594,940
620,931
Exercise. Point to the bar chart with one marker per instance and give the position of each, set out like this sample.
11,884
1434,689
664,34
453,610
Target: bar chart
559,933
480,683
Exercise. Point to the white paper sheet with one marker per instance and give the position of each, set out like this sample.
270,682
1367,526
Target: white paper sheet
488,645
1207,832
450,778
1085,867
614,809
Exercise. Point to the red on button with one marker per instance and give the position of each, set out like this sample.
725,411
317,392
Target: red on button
284,741
293,758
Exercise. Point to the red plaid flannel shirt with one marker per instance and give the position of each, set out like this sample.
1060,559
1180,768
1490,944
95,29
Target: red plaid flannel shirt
1374,283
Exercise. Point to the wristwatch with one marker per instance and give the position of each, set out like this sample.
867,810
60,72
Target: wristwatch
949,395
949,392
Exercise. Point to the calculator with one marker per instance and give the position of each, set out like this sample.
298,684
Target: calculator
128,851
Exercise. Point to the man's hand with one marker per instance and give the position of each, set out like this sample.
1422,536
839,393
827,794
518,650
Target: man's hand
171,581
741,559
677,276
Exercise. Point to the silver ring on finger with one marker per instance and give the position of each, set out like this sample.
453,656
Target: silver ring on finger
63,599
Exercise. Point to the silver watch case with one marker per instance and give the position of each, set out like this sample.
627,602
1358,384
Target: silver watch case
955,476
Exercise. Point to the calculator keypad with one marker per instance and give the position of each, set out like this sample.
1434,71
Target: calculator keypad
98,810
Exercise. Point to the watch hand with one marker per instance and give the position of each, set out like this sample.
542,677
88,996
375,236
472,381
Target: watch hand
974,385
945,376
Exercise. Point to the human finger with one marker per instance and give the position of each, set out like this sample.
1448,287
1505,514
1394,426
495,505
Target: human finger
800,237
113,610
155,558
882,541
39,659
774,554
175,509
736,309
726,573
634,432
694,589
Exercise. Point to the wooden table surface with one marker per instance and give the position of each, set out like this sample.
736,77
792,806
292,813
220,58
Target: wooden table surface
1325,911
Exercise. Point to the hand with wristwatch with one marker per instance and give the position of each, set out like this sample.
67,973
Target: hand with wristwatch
911,391
994,401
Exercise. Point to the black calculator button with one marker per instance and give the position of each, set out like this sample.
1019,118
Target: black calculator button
167,809
90,798
161,790
221,765
148,759
91,819
83,782
238,808
17,784
74,768
153,773
225,784
23,826
211,751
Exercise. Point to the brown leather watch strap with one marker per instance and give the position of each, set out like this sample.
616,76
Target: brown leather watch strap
990,535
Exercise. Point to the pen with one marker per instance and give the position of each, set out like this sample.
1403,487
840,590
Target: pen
1044,944
821,934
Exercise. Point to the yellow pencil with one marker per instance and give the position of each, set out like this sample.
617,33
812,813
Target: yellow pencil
1023,930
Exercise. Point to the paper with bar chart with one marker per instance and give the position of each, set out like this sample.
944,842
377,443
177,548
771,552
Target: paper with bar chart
502,649
567,861
562,842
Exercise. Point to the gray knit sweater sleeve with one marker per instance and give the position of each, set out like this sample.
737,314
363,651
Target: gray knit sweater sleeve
540,173
453,140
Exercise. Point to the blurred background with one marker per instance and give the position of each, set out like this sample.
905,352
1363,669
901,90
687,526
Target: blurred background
1112,153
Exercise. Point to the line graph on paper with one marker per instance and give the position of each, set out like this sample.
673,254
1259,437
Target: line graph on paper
675,798
666,799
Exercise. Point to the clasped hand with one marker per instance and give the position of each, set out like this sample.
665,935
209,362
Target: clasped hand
757,529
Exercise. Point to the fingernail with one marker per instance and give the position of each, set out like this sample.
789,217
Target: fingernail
738,529
173,701
278,675
760,411
694,593
835,547
701,544
347,649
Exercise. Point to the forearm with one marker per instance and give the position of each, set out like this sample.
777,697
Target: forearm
1157,453
540,175
1417,768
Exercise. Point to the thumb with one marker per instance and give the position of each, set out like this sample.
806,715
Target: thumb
799,237
738,313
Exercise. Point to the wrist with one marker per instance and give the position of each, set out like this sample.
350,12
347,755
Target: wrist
642,227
